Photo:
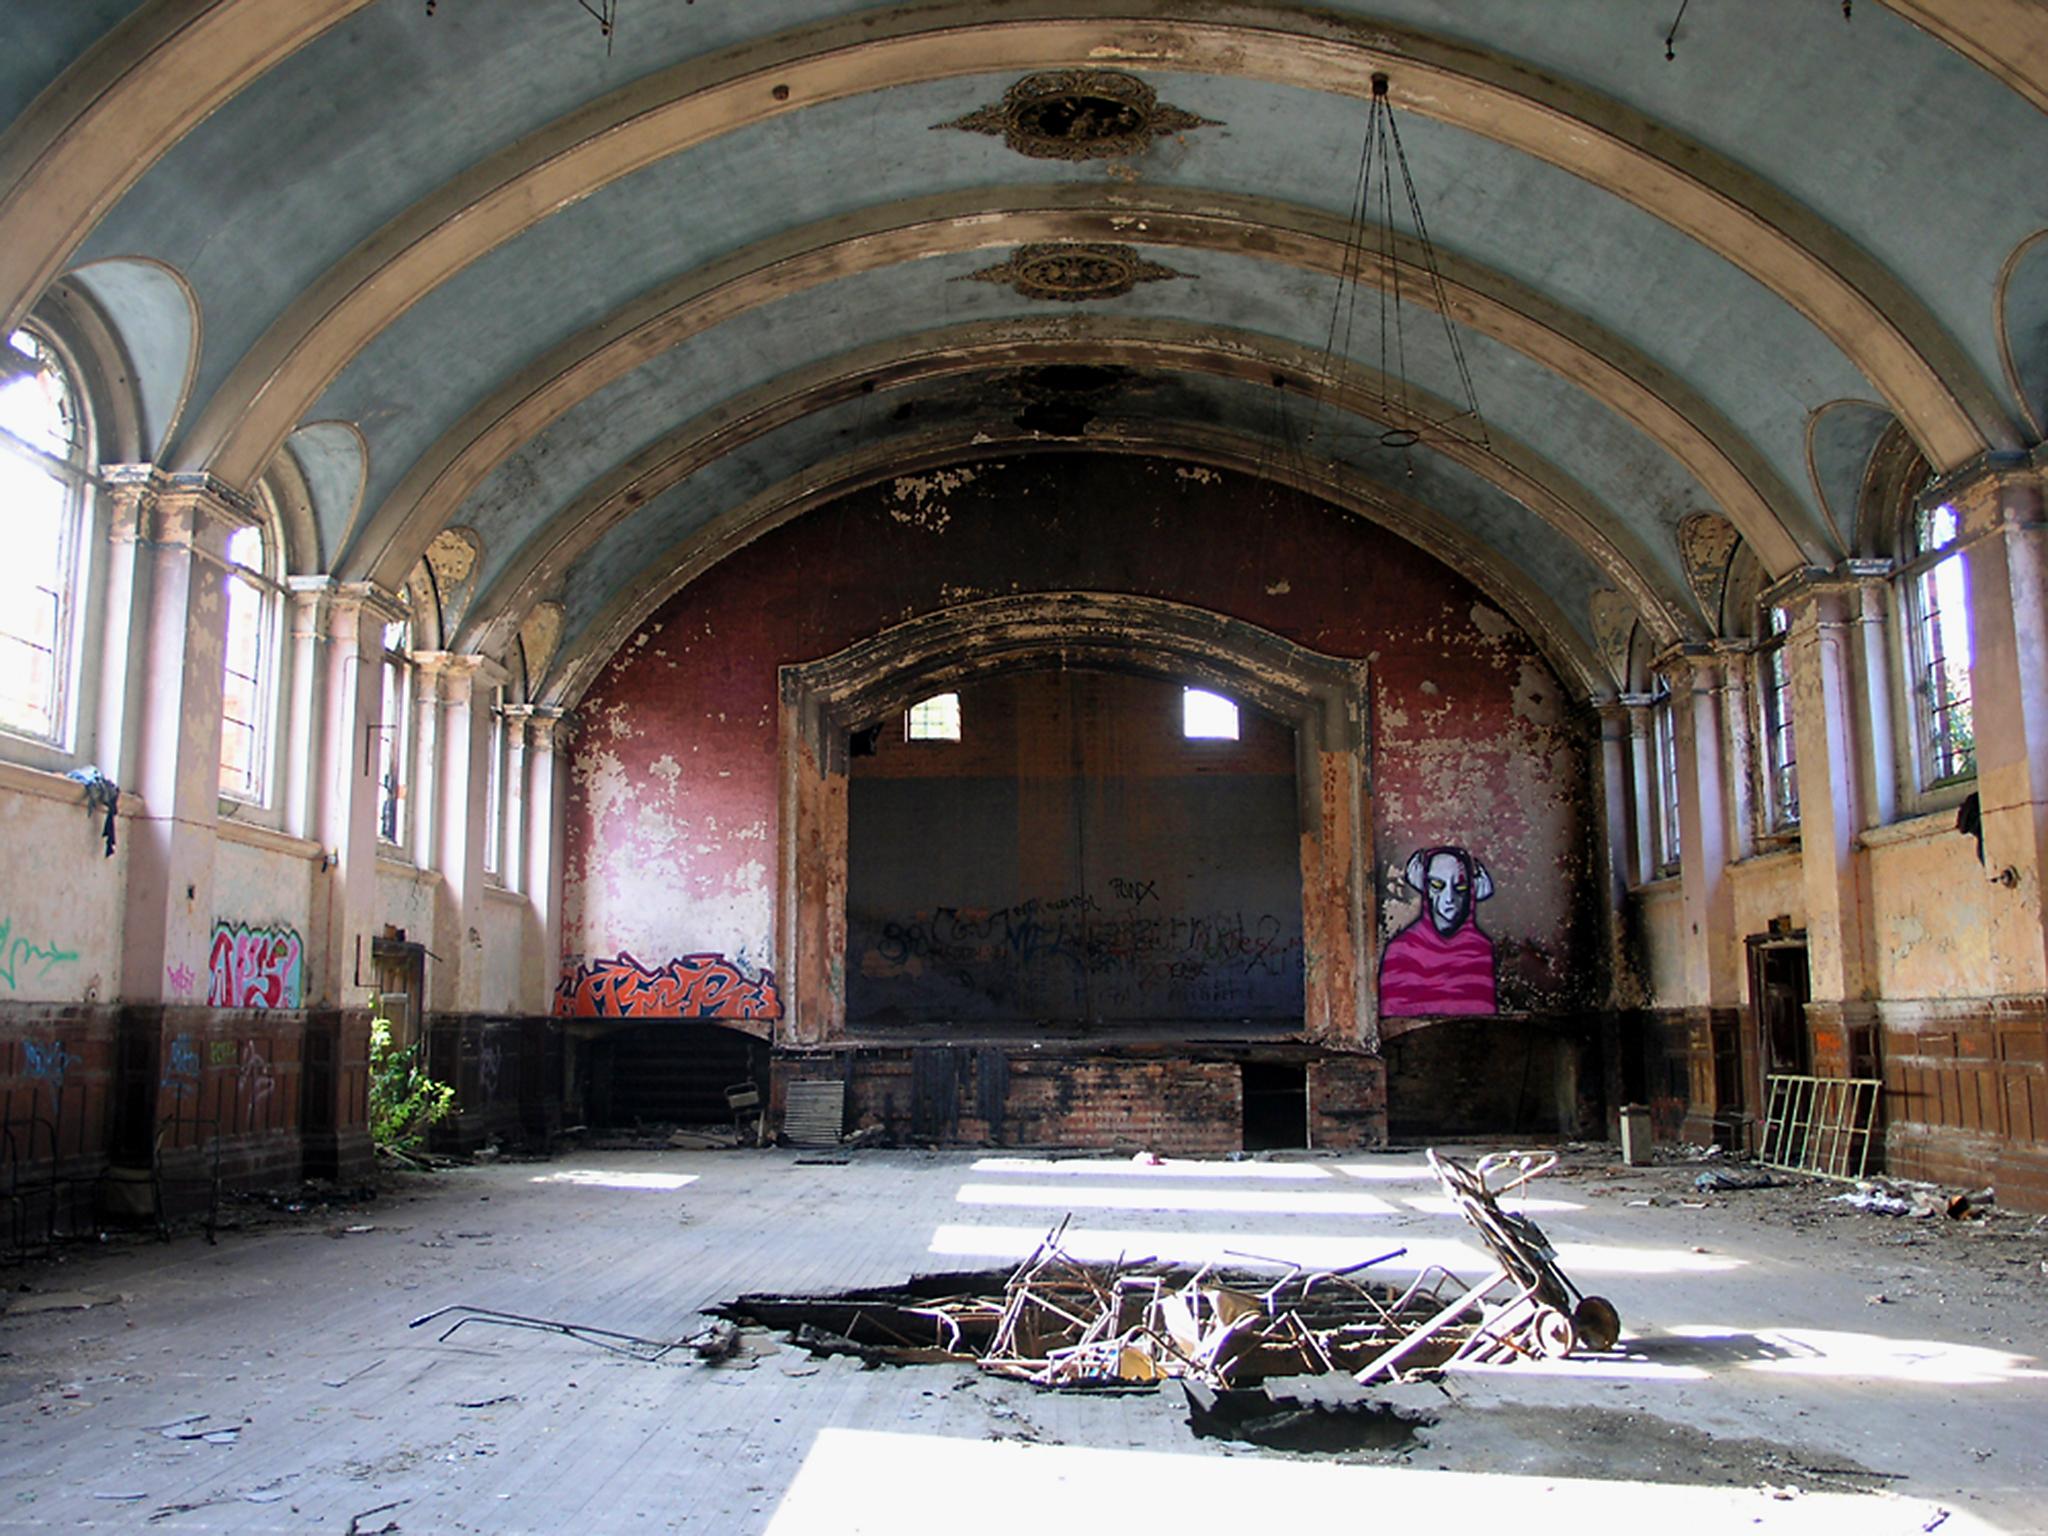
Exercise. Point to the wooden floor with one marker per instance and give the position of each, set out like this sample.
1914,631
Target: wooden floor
1788,1365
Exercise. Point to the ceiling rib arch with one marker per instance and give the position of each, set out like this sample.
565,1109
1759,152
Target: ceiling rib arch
2005,38
117,110
1156,346
1519,596
1869,315
1732,473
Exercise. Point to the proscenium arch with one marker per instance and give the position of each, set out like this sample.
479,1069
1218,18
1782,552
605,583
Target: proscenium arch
1154,346
1517,593
1867,313
1727,466
1322,697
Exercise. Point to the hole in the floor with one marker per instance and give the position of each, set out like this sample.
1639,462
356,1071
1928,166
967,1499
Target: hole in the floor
1258,1416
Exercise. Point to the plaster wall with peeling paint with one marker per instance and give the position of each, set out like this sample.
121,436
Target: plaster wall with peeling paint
61,911
672,814
1933,915
1769,888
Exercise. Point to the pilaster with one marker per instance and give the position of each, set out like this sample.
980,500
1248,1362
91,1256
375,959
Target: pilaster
2005,552
1823,648
170,533
461,810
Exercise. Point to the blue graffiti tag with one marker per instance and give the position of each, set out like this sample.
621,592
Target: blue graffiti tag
17,955
182,1076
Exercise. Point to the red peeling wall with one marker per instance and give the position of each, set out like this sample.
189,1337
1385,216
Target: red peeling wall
672,798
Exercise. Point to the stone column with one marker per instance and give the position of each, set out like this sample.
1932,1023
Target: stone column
1616,835
2005,550
1642,781
340,976
304,788
1871,612
512,830
1823,647
1734,661
417,777
546,808
171,532
461,778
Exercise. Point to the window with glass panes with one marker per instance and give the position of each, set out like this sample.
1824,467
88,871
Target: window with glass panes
1664,725
45,473
1779,758
1937,604
248,681
391,732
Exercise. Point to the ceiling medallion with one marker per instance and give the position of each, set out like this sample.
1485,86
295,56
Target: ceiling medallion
1079,114
1072,271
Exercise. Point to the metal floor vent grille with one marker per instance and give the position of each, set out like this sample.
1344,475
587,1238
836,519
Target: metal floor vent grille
815,1114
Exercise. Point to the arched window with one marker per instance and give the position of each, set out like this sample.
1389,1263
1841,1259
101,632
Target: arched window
46,456
1935,599
249,684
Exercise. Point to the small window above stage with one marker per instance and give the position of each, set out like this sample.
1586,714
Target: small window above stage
934,719
1206,716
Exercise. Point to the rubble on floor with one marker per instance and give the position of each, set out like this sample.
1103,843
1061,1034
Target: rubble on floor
1058,1322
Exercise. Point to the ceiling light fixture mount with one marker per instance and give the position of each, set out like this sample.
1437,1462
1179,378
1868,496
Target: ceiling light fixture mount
1372,237
1079,114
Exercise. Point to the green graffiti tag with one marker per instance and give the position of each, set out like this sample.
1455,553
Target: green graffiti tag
17,956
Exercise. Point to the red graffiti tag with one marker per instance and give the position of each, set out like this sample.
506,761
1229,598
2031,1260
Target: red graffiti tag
693,987
254,968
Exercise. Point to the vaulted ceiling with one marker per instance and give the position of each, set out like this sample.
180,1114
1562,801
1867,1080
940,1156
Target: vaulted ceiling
613,306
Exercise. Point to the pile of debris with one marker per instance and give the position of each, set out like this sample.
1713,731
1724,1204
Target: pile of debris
1058,1322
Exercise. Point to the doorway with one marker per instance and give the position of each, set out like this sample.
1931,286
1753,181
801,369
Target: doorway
1275,1105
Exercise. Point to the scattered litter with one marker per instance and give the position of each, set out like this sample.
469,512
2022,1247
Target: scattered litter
1260,1416
120,1498
703,1138
1059,1323
190,1429
1877,1299
1668,1201
1894,1199
342,1381
491,1402
62,1301
263,1496
822,1162
357,1528
629,1344
1718,1179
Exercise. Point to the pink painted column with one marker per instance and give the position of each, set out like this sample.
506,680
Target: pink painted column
343,798
461,809
546,811
174,529
1642,786
2005,551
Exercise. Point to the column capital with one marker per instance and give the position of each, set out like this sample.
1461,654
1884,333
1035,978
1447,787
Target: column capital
1993,489
189,509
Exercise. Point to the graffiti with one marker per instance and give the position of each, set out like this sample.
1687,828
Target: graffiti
24,960
1441,962
692,987
254,967
1136,892
490,1062
1072,933
181,1073
252,1074
181,978
48,1063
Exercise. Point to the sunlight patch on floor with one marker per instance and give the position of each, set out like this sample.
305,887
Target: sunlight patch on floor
605,1178
1288,1202
1172,1168
857,1482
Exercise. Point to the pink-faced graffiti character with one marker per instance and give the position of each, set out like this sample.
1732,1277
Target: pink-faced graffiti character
1441,962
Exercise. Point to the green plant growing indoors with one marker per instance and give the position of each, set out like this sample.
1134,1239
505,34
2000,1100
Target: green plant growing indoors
404,1101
